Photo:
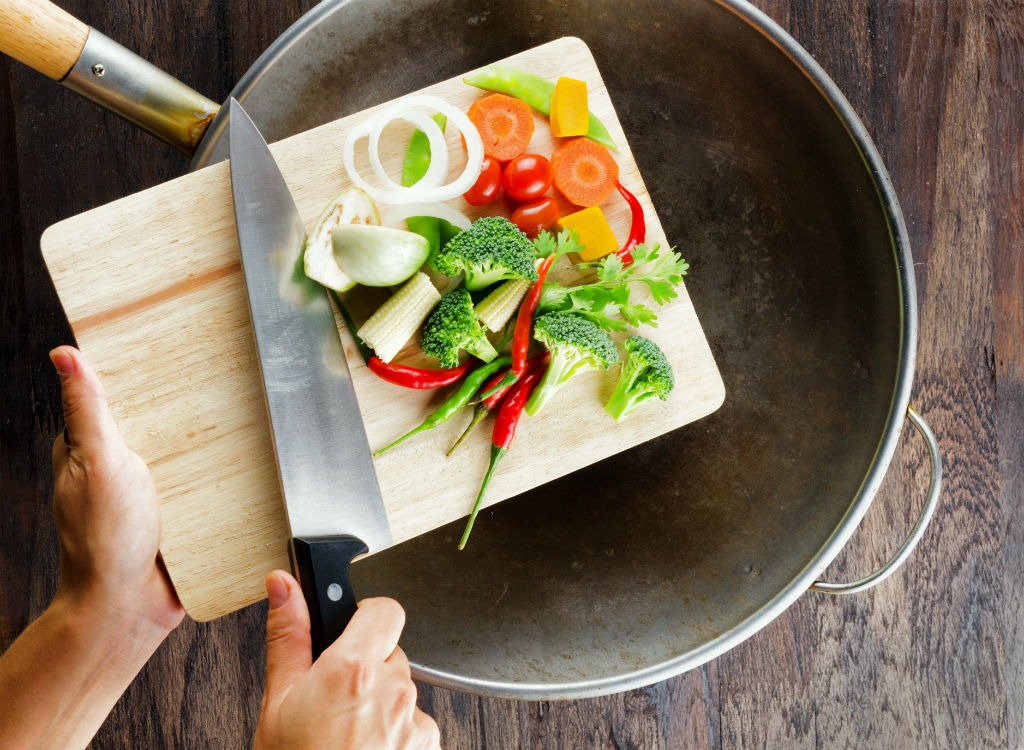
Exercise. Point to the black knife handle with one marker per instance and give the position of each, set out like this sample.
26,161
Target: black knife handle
322,567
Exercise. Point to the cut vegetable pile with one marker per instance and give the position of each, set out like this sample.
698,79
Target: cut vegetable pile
483,299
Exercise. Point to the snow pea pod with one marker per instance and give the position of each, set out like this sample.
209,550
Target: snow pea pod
533,89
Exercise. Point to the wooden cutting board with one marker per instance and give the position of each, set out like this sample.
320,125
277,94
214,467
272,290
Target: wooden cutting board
152,286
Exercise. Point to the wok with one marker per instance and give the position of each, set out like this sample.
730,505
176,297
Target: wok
657,560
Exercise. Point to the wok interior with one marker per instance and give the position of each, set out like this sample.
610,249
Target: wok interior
650,555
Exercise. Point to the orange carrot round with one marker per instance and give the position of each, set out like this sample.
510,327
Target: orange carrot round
584,171
505,124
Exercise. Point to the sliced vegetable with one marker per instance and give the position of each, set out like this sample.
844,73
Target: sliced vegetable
378,256
592,230
527,177
431,187
509,413
569,110
398,319
505,124
353,206
453,403
487,185
584,171
498,307
533,89
536,216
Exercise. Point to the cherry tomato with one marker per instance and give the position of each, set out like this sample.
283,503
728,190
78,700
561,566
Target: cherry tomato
534,217
527,177
487,185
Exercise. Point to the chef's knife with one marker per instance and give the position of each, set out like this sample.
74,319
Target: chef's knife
333,501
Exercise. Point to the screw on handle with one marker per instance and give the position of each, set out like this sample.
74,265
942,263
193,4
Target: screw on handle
322,567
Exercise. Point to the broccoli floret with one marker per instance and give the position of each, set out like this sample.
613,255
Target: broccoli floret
451,327
576,345
646,374
493,249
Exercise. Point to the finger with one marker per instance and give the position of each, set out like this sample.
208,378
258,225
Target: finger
428,734
399,660
289,650
373,631
89,422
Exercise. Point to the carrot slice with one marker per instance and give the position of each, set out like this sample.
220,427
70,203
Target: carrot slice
584,171
505,124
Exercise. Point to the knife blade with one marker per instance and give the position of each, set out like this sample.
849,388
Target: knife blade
328,481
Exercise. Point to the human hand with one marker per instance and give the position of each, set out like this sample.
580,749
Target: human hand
107,514
358,694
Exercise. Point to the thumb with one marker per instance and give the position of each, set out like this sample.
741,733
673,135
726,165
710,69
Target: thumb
87,417
289,649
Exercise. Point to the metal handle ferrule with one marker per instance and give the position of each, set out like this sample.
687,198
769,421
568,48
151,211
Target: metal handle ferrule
138,91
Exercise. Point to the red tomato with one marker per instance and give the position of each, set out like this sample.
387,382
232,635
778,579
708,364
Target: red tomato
527,177
487,185
534,217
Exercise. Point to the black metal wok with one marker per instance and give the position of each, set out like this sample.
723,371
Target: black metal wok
659,559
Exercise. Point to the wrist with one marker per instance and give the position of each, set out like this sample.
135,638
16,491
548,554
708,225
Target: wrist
120,639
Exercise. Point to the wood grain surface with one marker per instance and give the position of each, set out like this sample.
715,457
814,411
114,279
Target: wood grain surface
152,287
931,659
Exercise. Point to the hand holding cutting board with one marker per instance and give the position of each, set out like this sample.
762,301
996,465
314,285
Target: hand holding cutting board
115,605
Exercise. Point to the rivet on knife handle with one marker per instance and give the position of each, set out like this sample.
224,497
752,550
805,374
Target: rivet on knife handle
322,565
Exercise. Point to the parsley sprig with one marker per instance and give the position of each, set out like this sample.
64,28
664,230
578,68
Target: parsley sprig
606,300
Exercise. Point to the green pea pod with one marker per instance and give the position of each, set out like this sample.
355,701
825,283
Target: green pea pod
533,89
415,165
451,405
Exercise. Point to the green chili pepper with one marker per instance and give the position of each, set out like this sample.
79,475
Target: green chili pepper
456,401
533,89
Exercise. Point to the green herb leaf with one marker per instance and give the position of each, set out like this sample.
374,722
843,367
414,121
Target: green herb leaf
606,301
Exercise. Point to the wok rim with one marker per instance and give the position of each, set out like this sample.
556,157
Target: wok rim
884,452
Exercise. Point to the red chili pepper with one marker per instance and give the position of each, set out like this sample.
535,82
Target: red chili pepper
415,377
524,319
497,392
637,227
501,438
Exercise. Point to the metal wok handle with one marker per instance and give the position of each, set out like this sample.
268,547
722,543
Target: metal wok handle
934,487
58,45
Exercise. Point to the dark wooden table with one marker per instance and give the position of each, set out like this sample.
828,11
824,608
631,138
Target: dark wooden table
931,659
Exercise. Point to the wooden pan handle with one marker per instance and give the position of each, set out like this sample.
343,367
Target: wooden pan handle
41,35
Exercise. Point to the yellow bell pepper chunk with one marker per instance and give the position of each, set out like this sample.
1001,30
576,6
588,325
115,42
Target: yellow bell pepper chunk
569,114
593,232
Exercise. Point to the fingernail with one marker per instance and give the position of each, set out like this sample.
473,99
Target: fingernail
277,591
63,362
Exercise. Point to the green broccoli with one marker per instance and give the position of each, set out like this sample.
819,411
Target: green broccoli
646,374
576,345
451,327
493,249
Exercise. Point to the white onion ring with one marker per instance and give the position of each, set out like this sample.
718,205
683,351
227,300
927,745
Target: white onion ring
438,169
417,193
399,213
